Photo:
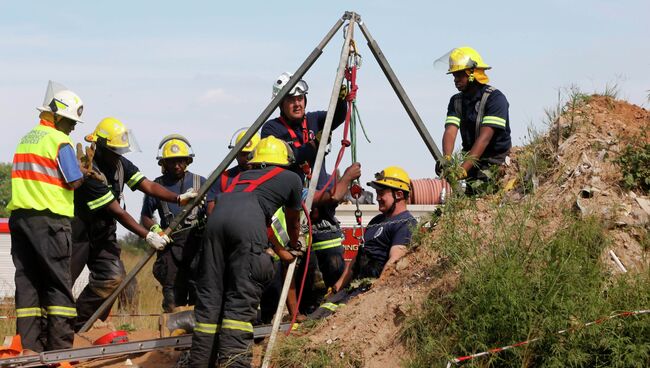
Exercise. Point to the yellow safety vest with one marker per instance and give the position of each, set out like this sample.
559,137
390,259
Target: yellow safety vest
36,181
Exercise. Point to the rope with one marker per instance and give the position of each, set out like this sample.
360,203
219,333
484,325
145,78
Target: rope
304,274
461,359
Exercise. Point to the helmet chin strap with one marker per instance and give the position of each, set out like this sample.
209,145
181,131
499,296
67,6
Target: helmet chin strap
392,208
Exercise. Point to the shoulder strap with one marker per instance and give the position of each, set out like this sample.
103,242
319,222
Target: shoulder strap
163,206
224,181
196,182
481,109
119,176
297,142
253,184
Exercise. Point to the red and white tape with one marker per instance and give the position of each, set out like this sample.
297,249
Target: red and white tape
458,360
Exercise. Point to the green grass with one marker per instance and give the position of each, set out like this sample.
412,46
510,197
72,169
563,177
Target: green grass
516,285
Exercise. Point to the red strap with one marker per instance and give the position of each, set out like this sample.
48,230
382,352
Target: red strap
292,133
351,74
253,184
224,182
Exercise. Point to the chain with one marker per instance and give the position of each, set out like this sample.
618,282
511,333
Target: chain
330,231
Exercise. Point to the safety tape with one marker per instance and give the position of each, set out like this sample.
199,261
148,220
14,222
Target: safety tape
458,360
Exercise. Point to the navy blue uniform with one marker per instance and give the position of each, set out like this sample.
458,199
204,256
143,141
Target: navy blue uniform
495,116
234,268
381,234
94,239
304,131
173,264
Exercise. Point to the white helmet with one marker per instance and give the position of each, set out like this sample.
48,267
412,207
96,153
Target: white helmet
63,102
299,89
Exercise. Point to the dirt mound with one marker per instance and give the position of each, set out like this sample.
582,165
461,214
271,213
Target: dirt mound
580,176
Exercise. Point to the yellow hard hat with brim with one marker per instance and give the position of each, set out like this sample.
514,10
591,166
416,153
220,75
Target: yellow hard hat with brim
393,177
113,134
250,146
272,151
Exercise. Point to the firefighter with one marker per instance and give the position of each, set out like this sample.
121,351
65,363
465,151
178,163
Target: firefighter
44,174
98,206
226,177
299,128
326,259
173,264
386,237
234,266
479,111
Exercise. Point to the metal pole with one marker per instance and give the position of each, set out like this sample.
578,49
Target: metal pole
314,179
180,217
399,90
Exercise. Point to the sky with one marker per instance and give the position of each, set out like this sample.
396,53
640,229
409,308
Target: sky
205,68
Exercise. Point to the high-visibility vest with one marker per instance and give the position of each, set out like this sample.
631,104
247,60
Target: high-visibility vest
36,181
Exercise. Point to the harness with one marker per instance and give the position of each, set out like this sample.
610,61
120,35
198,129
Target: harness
294,136
458,107
253,183
224,182
193,218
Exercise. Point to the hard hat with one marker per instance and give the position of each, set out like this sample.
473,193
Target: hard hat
63,102
250,146
113,134
463,58
174,145
272,151
392,177
299,89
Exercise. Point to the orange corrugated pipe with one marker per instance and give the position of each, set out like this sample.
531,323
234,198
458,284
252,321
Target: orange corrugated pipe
428,191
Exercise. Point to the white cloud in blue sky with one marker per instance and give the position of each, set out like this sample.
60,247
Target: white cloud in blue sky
205,68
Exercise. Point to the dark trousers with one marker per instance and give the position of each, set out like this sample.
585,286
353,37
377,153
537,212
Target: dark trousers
95,245
40,248
233,271
331,264
173,270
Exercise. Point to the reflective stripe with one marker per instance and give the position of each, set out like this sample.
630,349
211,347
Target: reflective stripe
279,231
135,179
330,306
232,324
494,120
327,244
37,168
453,120
208,328
106,198
28,312
57,310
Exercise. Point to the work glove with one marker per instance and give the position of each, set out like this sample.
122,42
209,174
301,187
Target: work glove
343,93
157,241
183,199
85,162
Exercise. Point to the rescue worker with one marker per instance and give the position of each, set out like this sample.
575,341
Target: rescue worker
234,266
327,247
173,264
226,177
299,128
385,239
479,111
97,207
44,174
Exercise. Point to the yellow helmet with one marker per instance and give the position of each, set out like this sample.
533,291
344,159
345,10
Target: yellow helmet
392,177
174,145
463,58
113,134
250,146
272,151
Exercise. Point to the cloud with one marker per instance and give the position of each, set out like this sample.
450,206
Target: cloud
215,96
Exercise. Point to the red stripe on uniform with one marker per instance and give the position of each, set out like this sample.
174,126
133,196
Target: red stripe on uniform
36,159
31,175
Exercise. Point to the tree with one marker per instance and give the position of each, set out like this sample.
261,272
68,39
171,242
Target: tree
5,188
